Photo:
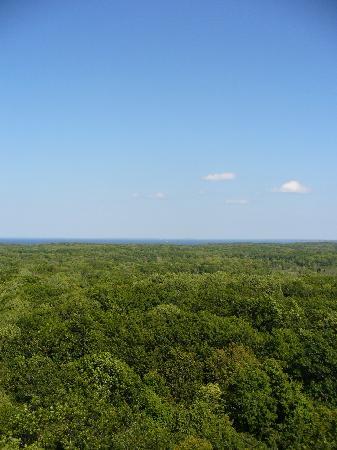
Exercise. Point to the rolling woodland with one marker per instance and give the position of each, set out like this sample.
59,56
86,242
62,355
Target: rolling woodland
218,346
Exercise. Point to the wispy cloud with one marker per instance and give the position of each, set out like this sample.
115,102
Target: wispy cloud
156,195
293,187
225,176
234,201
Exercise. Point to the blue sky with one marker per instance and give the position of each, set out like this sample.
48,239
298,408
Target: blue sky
179,119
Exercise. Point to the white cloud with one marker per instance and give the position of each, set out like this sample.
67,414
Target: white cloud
293,187
225,176
236,201
158,195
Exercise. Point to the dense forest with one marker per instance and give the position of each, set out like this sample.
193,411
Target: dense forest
228,346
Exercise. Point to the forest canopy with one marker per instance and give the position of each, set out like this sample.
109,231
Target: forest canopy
219,346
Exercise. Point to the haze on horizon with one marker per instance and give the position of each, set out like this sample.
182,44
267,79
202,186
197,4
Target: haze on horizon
180,119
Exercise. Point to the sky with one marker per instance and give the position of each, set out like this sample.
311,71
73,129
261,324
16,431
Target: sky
178,119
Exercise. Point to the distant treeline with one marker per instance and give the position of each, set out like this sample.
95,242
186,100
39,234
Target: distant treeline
227,346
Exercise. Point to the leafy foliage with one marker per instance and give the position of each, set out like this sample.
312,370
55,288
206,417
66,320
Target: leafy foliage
168,347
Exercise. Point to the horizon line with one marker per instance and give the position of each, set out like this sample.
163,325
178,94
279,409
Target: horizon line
154,239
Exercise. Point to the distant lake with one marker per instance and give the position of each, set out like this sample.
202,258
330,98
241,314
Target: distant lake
32,241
